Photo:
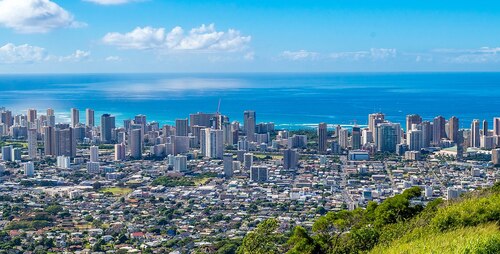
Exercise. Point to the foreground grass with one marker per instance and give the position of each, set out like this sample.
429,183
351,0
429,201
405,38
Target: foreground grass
480,239
117,191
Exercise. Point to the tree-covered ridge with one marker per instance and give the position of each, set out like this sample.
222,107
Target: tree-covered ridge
385,227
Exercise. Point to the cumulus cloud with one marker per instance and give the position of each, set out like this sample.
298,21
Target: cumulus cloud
110,2
203,38
10,53
28,54
299,55
35,16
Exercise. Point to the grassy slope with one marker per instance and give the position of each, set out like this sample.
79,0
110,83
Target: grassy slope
463,240
467,226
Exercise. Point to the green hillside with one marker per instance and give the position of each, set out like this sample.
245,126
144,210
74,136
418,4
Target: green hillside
467,225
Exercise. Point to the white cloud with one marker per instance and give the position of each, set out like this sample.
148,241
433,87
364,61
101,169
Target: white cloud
35,16
299,55
111,2
10,53
113,59
372,54
464,56
202,39
28,54
77,56
139,38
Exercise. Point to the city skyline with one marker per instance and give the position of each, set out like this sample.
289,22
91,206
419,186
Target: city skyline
247,36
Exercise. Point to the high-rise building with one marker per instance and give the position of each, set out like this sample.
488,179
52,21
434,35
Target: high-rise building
373,120
63,162
426,128
453,125
356,138
343,135
94,154
414,140
7,120
120,152
247,160
181,127
475,138
212,143
228,165
485,128
496,126
250,119
495,157
290,159
135,143
200,119
51,118
180,163
387,136
259,174
65,142
31,116
49,141
29,169
7,153
75,117
438,130
412,119
107,125
322,137
141,120
32,143
89,116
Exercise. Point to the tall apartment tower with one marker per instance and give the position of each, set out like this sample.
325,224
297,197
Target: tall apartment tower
373,120
438,130
290,159
32,143
322,137
212,143
475,138
356,138
31,116
228,165
89,116
135,143
94,154
51,117
387,136
49,141
75,117
182,127
453,125
412,119
485,128
107,125
250,119
65,142
496,126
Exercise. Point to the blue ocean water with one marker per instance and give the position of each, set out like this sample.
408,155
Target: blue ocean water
290,100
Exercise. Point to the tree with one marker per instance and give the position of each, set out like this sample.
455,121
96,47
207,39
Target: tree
263,240
301,243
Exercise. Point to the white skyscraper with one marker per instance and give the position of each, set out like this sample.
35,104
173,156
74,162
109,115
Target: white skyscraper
29,169
212,143
180,163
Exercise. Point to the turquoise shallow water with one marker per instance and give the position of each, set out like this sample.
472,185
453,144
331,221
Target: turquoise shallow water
290,100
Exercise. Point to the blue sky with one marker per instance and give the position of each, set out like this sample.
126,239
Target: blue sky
65,36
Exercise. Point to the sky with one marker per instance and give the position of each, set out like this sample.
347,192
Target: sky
163,36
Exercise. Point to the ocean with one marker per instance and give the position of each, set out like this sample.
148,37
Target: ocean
290,100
